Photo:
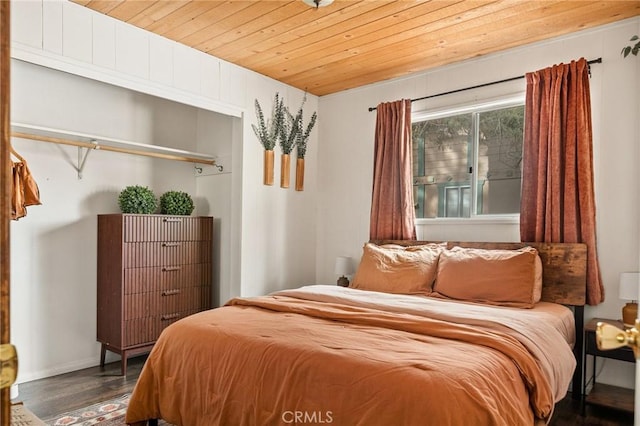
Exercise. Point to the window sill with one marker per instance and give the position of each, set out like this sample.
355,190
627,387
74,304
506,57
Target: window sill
478,220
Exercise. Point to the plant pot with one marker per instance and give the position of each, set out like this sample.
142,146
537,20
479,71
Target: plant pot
300,174
285,170
268,167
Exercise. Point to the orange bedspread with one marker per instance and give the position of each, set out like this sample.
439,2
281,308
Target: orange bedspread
349,357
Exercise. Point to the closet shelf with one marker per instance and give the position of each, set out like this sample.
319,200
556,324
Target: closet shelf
92,142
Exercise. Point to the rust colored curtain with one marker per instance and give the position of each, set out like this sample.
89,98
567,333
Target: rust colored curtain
558,202
392,210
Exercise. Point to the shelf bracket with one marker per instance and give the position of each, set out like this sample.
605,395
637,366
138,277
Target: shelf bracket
82,158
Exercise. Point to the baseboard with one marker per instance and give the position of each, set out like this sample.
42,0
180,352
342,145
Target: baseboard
60,369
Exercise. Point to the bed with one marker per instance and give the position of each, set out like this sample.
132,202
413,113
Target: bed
353,356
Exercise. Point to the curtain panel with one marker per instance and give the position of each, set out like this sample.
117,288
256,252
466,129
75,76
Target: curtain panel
558,201
392,208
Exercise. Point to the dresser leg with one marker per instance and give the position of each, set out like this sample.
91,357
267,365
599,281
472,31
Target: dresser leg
103,354
123,364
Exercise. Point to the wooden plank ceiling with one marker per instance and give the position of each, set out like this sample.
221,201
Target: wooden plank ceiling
351,43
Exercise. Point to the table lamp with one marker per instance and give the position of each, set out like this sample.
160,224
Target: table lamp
344,267
628,290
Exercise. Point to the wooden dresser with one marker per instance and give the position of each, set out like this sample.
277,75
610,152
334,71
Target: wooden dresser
152,271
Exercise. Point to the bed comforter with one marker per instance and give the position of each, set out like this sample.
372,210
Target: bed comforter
333,355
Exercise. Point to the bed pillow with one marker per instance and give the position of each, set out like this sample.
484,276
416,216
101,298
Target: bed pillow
398,269
496,277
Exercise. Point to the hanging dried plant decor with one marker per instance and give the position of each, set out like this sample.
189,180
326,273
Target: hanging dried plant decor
285,170
267,167
288,137
300,174
268,133
302,139
633,48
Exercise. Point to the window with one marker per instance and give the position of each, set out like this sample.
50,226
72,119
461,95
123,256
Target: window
467,162
457,201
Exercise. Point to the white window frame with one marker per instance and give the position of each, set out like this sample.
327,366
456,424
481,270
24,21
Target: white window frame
472,107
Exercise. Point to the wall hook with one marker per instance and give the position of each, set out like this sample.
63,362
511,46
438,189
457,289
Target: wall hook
209,170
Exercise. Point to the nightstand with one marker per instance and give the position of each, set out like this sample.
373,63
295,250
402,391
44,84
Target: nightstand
601,394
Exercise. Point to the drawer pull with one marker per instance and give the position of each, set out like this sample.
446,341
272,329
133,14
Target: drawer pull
169,316
171,220
170,244
171,292
170,268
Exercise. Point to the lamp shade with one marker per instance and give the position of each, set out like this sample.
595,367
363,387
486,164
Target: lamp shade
318,3
344,265
629,285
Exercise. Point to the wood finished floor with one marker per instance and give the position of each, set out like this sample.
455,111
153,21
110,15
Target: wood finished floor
66,392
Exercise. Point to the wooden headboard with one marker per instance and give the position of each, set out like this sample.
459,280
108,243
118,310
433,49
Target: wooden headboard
564,266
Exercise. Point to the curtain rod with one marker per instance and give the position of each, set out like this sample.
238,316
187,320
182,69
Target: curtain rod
593,61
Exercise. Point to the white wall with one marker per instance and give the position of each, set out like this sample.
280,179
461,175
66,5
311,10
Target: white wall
214,188
54,247
65,36
347,132
267,234
278,225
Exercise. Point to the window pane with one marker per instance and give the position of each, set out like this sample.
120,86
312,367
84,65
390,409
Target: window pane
452,201
500,160
465,205
444,150
442,155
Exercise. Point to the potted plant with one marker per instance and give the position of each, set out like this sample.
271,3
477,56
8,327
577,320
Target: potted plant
298,135
268,131
176,203
137,199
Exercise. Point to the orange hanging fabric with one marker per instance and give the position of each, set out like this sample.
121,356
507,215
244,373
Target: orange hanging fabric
18,209
558,201
24,191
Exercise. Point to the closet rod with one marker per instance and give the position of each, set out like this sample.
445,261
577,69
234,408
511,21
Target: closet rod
593,61
90,145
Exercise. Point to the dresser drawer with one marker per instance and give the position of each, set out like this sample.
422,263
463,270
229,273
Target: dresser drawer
167,302
169,254
145,280
142,331
166,228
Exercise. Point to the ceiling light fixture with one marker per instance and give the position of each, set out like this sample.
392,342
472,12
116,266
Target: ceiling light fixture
318,3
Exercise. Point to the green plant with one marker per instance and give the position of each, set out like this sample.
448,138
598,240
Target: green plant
176,203
137,199
303,136
294,131
633,48
268,131
289,131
